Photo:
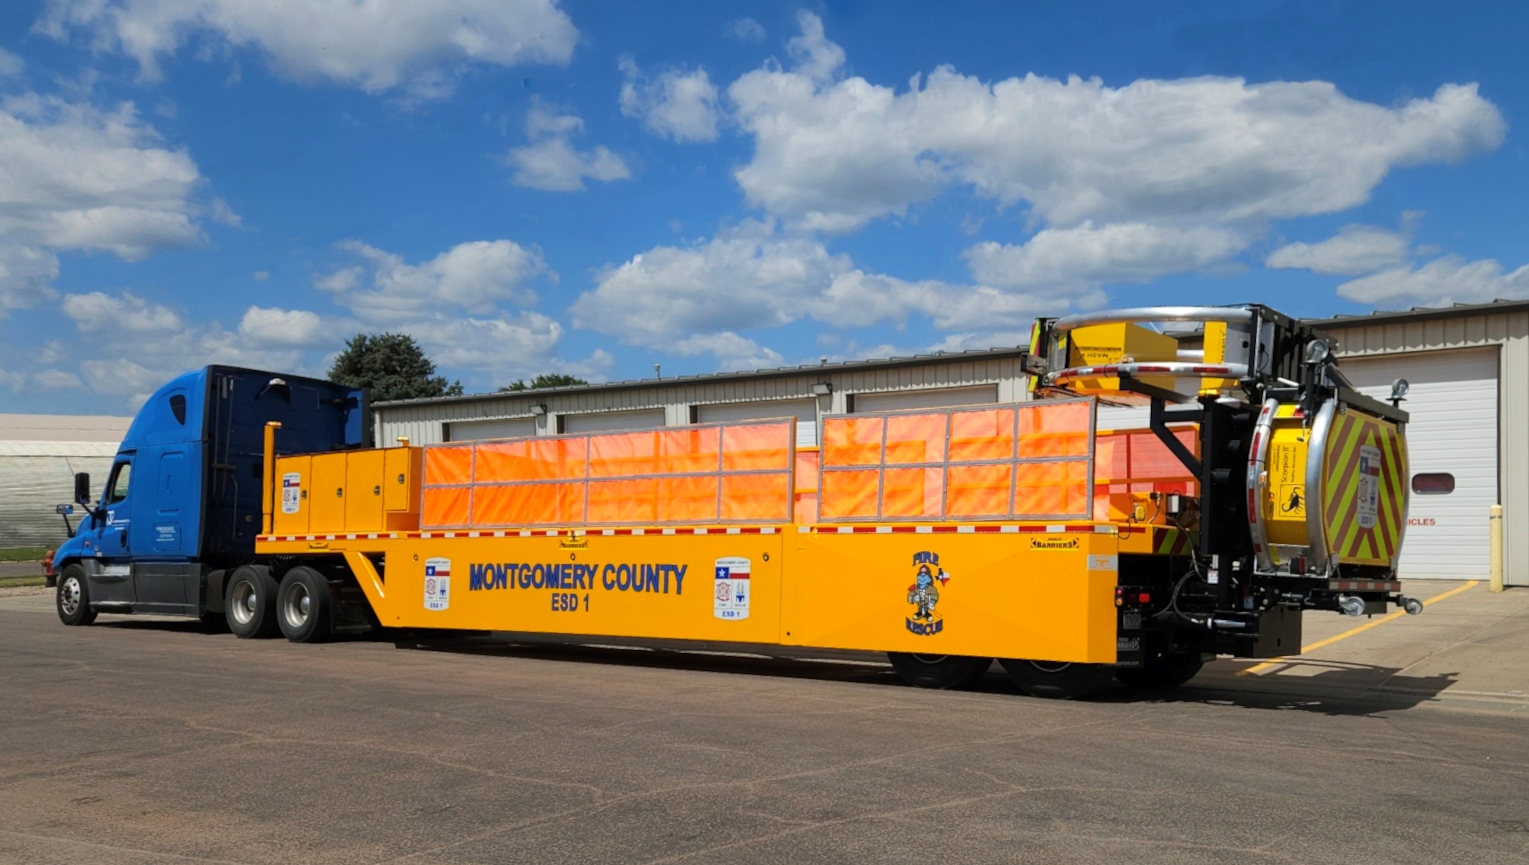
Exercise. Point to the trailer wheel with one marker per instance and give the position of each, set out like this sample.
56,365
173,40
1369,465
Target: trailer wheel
941,672
73,597
1055,680
1163,673
251,602
302,606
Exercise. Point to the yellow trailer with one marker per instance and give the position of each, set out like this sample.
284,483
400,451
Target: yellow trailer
945,538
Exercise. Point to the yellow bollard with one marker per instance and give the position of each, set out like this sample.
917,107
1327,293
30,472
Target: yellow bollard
1496,523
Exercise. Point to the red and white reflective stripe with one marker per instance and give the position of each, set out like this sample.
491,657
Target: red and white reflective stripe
1364,585
531,533
981,529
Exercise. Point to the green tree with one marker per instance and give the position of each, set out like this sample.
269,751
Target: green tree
546,379
392,366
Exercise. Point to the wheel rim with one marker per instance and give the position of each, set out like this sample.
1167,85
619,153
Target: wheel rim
245,603
69,596
1045,667
295,605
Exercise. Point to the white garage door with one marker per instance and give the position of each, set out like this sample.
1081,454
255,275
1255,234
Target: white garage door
932,398
804,410
483,430
1452,438
611,421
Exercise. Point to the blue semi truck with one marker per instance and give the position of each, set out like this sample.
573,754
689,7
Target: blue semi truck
182,504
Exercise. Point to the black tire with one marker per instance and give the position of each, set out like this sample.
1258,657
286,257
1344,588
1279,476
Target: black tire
303,605
1054,679
1163,673
251,602
72,597
941,672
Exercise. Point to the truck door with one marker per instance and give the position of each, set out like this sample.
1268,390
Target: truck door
112,582
164,580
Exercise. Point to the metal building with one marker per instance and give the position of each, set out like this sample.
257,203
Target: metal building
1468,367
39,455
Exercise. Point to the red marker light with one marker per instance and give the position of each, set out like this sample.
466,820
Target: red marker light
1144,598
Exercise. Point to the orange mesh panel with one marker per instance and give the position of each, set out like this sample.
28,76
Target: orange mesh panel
686,500
762,498
805,510
757,446
852,441
444,507
613,455
912,493
982,435
806,470
847,494
448,465
557,459
978,491
1054,430
682,451
916,438
502,461
1151,460
1111,457
631,502
1052,489
528,505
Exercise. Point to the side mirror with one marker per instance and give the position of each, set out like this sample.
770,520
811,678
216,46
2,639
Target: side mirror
82,488
65,510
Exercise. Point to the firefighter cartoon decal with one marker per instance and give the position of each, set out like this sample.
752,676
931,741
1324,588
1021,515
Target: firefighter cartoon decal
924,594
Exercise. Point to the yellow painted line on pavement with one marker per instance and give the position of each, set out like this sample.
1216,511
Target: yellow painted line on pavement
1259,668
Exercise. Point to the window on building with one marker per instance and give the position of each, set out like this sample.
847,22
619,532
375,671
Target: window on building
1433,484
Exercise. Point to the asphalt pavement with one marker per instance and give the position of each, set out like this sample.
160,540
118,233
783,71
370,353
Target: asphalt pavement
139,741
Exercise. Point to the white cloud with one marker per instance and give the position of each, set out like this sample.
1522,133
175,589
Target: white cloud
677,105
283,328
221,213
1441,282
10,64
57,379
374,45
1353,250
551,163
745,30
689,299
451,303
474,276
733,352
1087,256
74,177
97,312
834,152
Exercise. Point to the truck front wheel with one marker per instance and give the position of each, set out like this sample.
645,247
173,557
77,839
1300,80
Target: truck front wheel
73,597
303,606
251,602
942,672
1056,680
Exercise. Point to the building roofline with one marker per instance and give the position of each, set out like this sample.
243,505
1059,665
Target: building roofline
742,375
1418,313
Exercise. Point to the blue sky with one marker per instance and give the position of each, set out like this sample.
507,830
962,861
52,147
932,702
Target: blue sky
528,186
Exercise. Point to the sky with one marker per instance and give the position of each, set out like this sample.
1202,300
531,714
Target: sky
531,186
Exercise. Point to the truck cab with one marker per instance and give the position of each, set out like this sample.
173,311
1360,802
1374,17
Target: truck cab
181,504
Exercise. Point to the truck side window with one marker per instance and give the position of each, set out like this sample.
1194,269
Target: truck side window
116,491
178,408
